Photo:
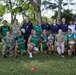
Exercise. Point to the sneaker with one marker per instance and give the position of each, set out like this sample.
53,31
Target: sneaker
62,56
52,54
31,55
16,56
73,56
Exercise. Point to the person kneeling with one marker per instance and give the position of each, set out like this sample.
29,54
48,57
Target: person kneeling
44,40
60,40
70,43
20,44
33,43
8,44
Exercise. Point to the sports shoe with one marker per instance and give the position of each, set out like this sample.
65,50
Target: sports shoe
52,54
31,55
62,56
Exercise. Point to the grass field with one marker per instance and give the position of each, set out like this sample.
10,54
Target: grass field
45,64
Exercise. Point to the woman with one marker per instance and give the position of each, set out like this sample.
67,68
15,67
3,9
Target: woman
33,43
54,28
20,44
44,39
70,43
15,29
38,28
60,40
4,29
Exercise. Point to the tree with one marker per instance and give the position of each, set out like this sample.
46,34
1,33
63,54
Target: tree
59,12
65,13
57,5
37,6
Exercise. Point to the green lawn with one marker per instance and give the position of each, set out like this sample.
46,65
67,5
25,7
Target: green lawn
45,64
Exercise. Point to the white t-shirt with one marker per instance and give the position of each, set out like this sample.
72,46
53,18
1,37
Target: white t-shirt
72,27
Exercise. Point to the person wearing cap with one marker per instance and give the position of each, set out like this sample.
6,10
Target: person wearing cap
38,28
60,39
20,44
70,42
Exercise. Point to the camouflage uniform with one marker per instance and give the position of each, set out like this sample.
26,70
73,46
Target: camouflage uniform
15,29
8,42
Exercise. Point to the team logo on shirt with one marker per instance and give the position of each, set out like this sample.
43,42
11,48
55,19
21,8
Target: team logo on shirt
26,26
65,25
47,25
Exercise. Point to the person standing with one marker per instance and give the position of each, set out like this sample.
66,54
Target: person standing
54,28
15,28
64,26
38,28
45,26
4,29
28,28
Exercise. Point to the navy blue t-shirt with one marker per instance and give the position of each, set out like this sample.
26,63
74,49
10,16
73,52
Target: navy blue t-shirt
64,27
54,29
75,26
28,27
45,26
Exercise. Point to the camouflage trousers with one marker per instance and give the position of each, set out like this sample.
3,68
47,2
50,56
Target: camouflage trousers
6,48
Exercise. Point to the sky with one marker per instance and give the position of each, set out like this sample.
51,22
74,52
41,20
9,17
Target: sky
48,13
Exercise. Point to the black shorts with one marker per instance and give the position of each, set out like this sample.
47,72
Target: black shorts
45,49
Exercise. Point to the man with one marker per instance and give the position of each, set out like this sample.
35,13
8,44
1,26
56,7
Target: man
5,28
45,26
60,39
8,43
64,26
28,28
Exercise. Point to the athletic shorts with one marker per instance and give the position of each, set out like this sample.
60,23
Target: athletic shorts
35,48
45,49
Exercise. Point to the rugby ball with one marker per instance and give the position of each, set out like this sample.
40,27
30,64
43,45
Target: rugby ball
23,30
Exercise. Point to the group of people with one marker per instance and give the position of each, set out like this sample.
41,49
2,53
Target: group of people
17,40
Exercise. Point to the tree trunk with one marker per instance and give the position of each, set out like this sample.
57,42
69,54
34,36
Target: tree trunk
38,16
59,12
37,6
11,18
